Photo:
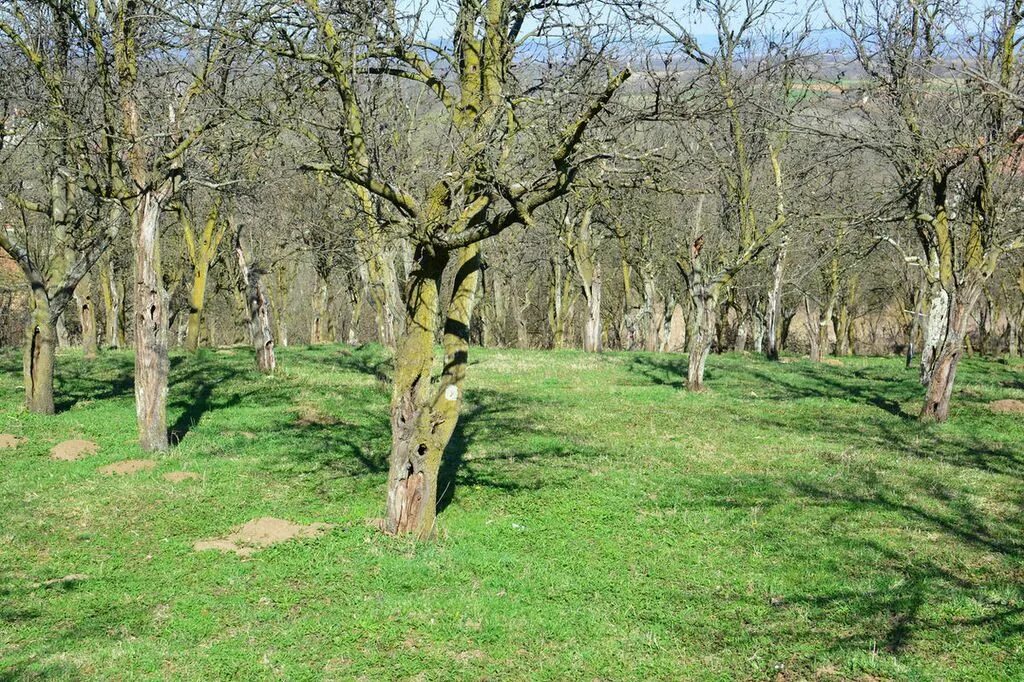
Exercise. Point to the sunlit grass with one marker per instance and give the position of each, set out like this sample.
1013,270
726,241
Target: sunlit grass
793,522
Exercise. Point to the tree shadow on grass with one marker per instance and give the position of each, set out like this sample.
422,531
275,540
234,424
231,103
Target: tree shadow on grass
935,539
668,369
199,385
510,452
108,377
827,382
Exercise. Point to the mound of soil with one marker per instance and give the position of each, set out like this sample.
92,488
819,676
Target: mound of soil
179,476
311,416
1007,406
65,581
128,466
9,441
71,450
260,533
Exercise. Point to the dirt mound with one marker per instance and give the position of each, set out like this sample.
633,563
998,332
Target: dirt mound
1007,406
311,416
71,450
260,533
179,476
9,441
128,466
65,581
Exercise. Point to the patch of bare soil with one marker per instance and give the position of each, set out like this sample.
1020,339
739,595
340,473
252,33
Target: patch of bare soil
260,533
1007,406
71,450
179,476
9,441
832,362
128,466
65,581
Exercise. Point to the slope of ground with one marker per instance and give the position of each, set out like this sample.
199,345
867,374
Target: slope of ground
794,522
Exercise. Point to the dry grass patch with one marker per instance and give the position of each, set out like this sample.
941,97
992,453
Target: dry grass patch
179,476
1007,406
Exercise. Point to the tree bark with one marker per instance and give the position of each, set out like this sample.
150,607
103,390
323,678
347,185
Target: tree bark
152,365
40,347
424,412
318,327
113,306
86,317
592,326
773,331
704,306
945,360
260,328
936,322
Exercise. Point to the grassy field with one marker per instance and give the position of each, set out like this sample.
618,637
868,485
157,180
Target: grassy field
794,522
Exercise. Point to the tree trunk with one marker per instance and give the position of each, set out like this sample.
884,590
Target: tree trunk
522,327
196,304
152,364
61,327
813,331
40,347
592,325
936,322
86,316
113,306
280,302
704,306
773,332
318,327
740,344
355,303
424,412
260,328
947,354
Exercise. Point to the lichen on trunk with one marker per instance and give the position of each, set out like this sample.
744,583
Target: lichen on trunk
424,409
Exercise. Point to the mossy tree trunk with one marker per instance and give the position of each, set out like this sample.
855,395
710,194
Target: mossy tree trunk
202,251
40,347
946,359
112,291
424,411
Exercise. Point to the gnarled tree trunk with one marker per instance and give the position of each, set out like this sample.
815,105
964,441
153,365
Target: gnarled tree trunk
424,411
704,305
946,356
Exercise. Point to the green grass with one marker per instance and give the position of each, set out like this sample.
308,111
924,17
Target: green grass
793,522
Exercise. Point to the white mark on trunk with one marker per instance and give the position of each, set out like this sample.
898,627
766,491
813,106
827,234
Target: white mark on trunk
452,392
